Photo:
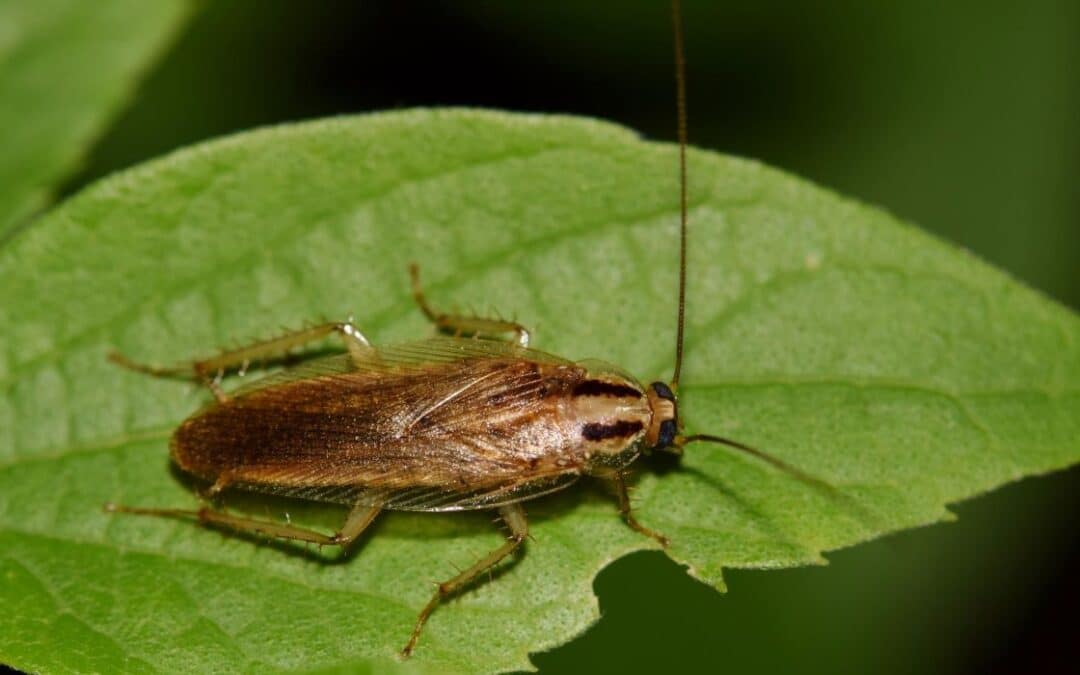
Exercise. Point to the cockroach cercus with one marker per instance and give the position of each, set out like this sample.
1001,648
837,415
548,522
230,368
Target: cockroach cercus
446,424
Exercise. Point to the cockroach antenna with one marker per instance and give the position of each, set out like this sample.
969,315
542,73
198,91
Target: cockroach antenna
680,99
679,440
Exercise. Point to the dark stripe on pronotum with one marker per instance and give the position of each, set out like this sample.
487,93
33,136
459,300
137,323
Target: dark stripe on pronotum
601,388
598,432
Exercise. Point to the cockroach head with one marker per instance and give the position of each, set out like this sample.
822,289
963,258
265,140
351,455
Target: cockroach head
663,432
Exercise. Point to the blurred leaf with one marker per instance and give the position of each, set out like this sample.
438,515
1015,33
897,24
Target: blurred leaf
65,67
901,370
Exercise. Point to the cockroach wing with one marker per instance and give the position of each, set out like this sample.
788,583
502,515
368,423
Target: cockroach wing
440,425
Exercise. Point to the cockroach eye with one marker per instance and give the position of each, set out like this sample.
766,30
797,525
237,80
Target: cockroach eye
668,429
663,391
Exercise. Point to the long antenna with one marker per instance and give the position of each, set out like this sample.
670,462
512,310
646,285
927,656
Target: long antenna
763,456
680,98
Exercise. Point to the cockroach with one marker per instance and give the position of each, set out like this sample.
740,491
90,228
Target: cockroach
462,422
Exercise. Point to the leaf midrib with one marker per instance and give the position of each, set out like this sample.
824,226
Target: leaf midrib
728,382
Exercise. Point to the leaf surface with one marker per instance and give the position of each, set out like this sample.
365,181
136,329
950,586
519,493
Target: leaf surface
65,67
899,369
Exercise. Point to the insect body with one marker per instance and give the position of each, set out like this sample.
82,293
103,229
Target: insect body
440,425
451,423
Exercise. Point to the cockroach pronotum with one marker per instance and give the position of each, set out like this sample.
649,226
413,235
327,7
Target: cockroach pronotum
472,421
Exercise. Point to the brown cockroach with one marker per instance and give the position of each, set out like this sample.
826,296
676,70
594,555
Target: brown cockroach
446,424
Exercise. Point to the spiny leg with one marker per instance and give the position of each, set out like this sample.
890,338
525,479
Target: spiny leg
619,480
514,516
224,480
357,521
466,325
210,370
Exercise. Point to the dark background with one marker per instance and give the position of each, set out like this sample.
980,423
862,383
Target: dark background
961,117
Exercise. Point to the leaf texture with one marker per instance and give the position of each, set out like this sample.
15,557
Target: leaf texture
899,369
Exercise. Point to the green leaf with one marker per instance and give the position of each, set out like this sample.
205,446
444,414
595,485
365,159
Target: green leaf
65,67
900,369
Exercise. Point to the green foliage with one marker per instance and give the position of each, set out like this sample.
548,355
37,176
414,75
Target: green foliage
899,369
65,67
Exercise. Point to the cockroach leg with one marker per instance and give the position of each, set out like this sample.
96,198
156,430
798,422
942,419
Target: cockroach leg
458,325
514,516
356,522
223,481
619,480
209,371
